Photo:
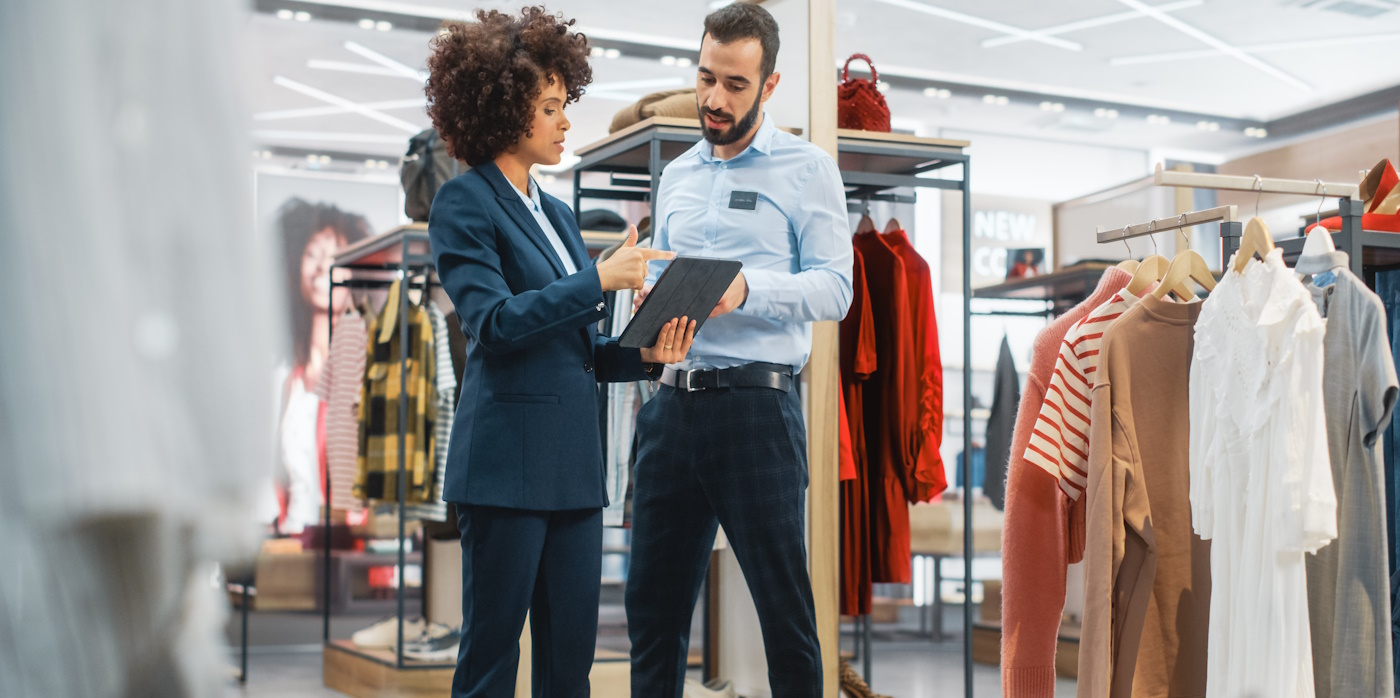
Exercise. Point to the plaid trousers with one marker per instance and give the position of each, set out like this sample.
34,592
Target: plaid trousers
737,458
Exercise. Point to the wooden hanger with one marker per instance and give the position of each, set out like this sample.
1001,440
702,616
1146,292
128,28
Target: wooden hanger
893,225
1256,240
866,225
1187,264
1148,271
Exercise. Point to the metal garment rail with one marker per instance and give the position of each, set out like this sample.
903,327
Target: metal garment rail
409,267
861,185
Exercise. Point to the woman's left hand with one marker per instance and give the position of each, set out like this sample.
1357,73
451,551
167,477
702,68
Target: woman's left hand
672,344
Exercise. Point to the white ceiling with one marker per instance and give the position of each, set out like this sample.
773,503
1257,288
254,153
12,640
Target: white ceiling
1312,55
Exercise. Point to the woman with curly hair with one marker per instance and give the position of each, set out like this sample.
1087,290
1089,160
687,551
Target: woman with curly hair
525,463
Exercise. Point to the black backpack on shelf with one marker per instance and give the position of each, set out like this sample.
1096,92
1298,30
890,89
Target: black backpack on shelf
426,167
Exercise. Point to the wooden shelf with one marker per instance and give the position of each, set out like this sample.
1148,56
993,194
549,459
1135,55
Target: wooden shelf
387,250
1069,285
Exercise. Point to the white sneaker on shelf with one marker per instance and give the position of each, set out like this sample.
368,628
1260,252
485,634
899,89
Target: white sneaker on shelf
438,643
384,634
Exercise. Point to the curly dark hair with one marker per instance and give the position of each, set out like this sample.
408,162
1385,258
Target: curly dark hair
299,220
484,78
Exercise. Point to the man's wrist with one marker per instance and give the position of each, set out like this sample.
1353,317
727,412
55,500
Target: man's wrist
653,370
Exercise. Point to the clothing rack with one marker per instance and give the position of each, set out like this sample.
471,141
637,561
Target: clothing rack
1367,251
1224,214
377,263
1262,185
874,167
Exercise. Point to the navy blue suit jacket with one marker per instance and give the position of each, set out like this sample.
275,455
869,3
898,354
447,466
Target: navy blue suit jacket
526,434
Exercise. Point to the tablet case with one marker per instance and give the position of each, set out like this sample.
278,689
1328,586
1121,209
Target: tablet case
690,287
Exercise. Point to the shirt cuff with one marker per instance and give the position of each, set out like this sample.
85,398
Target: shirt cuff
762,285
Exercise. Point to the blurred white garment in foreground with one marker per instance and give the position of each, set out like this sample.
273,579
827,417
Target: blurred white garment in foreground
137,339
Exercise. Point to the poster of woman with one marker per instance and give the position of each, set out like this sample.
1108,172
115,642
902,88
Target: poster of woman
307,218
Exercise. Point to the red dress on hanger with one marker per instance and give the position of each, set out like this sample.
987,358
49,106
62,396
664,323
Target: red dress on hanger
890,413
858,362
926,381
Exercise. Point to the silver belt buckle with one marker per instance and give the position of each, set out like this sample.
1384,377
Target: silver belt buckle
689,376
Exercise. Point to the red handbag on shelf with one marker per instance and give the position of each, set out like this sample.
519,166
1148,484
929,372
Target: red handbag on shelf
859,104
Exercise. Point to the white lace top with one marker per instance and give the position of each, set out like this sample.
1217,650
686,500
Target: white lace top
1261,483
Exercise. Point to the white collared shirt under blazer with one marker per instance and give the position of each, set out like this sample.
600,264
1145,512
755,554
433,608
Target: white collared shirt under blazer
1261,483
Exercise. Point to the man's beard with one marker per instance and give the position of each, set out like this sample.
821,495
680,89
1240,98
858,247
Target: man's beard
735,132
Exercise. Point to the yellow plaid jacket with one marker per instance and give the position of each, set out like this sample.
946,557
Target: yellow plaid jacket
377,464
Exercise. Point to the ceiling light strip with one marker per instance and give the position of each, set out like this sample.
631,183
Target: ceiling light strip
1091,23
1258,48
329,137
385,61
329,98
330,111
443,13
1216,43
359,68
983,23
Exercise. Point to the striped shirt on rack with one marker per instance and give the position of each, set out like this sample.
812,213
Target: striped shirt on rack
1060,441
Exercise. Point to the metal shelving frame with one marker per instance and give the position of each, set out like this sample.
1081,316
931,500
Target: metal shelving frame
377,263
874,167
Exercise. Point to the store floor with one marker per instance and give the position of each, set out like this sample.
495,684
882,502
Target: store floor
904,665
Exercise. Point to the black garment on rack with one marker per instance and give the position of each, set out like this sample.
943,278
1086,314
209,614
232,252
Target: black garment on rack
1006,398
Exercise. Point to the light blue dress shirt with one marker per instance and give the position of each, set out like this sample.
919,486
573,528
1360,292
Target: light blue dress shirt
795,243
532,202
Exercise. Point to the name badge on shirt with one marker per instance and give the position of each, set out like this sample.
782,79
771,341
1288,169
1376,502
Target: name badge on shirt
744,200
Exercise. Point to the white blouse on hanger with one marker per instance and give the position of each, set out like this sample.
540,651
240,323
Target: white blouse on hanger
1261,483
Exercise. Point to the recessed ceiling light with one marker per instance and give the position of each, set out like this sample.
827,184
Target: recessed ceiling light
1208,125
550,179
325,159
668,60
303,16
683,62
999,100
882,86
945,94
930,91
371,163
612,53
596,52
383,26
1003,101
366,24
1256,132
311,158
1105,113
1052,106
1158,119
267,154
285,14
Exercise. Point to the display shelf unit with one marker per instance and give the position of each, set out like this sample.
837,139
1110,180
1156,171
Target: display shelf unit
873,166
1368,251
376,263
1060,290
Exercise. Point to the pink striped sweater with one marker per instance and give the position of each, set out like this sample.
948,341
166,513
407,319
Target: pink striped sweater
1036,543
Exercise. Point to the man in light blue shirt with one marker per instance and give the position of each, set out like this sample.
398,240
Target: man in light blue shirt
724,441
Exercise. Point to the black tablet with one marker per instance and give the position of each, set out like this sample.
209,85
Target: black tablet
690,287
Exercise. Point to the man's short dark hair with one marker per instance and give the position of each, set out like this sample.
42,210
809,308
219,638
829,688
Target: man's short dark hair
743,20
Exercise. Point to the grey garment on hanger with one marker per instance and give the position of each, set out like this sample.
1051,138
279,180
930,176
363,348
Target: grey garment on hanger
137,387
1349,602
1006,397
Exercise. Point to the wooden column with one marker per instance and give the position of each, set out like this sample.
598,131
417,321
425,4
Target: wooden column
823,447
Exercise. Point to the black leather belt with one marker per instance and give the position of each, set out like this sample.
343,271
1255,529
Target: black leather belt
758,375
